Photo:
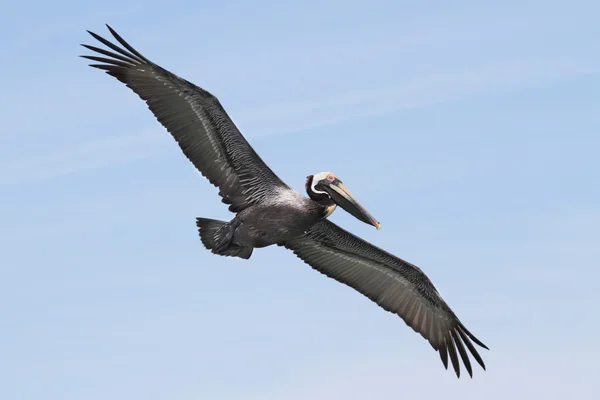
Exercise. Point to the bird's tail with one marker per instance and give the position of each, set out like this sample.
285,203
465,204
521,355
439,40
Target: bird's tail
217,237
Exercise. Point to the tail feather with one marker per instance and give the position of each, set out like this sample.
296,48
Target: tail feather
208,229
216,237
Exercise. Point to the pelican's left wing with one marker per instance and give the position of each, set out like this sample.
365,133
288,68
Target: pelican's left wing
196,120
396,285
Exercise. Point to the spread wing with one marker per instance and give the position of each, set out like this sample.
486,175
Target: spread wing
396,285
196,120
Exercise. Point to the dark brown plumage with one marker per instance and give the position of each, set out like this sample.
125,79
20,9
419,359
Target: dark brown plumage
269,212
396,285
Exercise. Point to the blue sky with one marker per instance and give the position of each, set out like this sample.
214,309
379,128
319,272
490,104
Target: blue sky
470,130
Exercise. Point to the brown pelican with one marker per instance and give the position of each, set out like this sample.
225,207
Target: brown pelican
267,211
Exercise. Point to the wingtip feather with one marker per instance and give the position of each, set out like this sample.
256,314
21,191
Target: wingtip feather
473,338
463,353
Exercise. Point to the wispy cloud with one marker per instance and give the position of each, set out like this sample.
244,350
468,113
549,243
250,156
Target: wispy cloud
271,119
413,93
95,154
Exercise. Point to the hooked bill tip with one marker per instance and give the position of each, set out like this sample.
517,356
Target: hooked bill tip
377,225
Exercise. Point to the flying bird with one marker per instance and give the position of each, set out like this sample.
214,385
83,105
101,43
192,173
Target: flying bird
269,212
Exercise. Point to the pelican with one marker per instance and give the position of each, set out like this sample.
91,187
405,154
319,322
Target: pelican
269,212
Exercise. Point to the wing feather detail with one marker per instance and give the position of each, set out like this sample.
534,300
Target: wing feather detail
196,120
394,284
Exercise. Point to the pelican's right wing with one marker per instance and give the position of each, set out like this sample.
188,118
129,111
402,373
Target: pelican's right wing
197,121
396,285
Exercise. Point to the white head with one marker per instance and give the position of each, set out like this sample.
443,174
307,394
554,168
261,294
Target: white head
329,176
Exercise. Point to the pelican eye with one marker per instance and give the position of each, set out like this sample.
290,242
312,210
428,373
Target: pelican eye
330,178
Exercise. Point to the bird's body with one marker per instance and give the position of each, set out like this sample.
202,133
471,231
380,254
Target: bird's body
286,216
269,212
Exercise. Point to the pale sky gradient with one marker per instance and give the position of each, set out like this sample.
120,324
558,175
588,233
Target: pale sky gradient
470,129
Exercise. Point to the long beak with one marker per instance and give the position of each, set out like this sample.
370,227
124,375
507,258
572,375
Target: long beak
344,198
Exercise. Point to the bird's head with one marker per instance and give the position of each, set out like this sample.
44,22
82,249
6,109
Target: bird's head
326,187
